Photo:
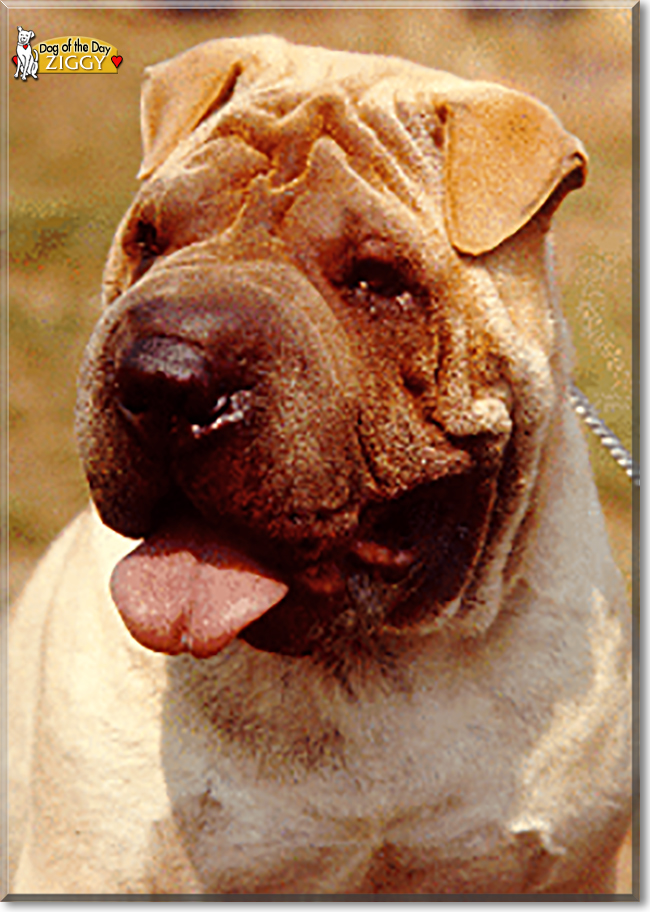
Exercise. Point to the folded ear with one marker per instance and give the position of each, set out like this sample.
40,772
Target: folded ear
179,93
506,155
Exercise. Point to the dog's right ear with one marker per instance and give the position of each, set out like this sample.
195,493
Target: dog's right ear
177,95
180,93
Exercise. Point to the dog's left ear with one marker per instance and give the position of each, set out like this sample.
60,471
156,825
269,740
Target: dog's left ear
506,156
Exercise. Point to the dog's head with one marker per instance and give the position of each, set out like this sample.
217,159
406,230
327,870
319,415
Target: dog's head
24,36
330,354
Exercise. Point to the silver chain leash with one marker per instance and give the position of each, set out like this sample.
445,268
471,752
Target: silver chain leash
607,437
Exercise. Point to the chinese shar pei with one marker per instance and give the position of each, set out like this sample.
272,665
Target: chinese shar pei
373,640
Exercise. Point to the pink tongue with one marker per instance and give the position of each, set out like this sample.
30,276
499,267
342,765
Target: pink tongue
183,590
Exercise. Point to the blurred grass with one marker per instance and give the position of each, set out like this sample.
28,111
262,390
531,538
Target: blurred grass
74,152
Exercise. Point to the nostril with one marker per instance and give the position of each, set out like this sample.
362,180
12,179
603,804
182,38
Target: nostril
163,375
166,385
228,409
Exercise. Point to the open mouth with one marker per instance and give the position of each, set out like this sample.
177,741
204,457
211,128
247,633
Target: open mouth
191,587
407,562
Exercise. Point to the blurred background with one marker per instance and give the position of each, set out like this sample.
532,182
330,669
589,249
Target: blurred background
74,153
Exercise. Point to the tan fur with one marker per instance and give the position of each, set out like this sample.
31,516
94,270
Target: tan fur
493,755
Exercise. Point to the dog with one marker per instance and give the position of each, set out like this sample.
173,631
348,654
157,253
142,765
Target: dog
27,57
372,640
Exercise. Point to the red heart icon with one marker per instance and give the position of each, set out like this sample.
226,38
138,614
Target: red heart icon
15,60
117,61
25,46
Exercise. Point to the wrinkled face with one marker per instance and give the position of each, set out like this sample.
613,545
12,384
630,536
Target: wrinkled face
302,383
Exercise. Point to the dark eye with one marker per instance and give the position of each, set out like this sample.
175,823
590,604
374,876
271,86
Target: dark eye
377,277
374,283
144,245
146,240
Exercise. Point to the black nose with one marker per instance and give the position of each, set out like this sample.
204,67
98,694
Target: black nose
162,382
162,375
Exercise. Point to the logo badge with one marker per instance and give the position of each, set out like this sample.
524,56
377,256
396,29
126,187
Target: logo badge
69,54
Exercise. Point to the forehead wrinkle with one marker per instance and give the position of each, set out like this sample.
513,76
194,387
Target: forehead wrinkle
339,203
284,126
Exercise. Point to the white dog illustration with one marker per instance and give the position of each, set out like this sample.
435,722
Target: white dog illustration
27,57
